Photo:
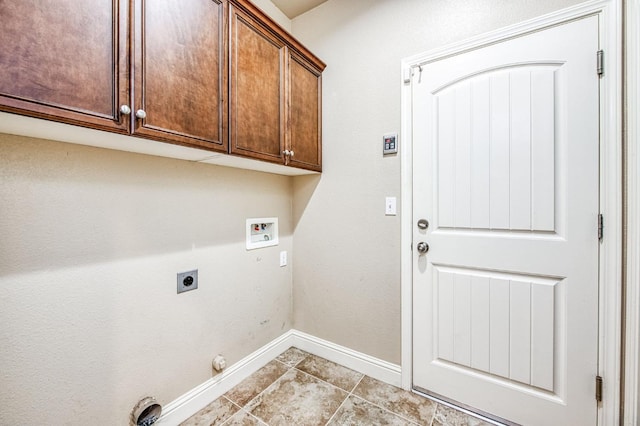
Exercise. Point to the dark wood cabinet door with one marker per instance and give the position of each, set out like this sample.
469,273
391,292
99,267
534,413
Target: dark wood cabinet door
65,60
257,76
305,110
179,72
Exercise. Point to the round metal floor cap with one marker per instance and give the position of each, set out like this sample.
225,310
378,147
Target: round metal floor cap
146,412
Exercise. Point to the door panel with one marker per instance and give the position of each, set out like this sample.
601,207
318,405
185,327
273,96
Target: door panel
305,111
506,171
257,89
179,72
65,60
502,177
496,323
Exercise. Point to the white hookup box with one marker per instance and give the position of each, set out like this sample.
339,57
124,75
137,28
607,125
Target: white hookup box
262,232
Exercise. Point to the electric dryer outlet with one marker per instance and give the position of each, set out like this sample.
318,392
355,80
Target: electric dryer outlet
187,281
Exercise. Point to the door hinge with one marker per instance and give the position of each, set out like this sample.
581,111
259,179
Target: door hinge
600,63
407,73
599,388
600,227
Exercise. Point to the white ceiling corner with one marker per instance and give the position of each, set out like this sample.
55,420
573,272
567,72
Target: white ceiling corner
293,8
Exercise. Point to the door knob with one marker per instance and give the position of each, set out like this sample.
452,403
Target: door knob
124,109
141,114
423,247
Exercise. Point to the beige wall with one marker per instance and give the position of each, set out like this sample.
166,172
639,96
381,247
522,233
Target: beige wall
347,269
90,244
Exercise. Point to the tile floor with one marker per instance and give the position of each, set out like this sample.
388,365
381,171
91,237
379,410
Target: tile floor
298,388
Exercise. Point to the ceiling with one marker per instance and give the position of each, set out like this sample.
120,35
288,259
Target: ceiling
293,8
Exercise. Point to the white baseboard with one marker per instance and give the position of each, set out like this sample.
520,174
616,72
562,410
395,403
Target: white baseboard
362,363
199,397
193,401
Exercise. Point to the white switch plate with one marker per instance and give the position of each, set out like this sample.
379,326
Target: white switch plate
390,206
283,258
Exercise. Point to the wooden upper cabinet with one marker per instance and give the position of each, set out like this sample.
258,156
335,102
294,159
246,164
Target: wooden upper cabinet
275,92
219,75
257,91
304,136
65,60
179,72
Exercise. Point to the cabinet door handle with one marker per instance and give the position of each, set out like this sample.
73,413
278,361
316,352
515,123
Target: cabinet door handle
286,152
141,114
124,109
291,153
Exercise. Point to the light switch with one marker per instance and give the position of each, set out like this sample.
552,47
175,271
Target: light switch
390,206
390,143
283,258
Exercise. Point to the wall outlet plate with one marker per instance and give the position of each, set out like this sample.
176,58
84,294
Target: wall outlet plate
187,281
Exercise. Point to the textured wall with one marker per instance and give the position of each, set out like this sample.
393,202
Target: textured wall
90,244
347,270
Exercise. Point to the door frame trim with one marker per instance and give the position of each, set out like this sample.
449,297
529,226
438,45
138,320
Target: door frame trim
610,294
632,268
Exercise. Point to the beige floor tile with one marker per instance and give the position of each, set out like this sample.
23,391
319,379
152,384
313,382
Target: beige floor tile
446,416
331,372
215,413
297,399
396,400
358,412
292,356
242,418
311,393
256,383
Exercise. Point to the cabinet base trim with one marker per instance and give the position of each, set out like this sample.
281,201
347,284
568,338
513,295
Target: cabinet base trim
44,129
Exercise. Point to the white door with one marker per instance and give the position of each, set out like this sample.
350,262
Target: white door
505,163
